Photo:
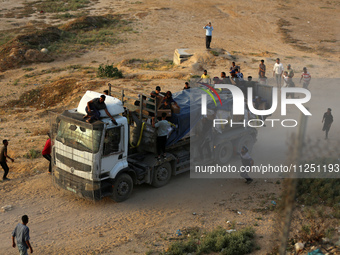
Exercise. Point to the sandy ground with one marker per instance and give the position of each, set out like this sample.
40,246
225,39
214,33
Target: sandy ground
249,30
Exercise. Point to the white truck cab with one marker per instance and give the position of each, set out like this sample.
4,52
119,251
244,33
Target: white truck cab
86,154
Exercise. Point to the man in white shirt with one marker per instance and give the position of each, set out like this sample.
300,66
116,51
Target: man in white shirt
162,133
208,34
305,77
277,72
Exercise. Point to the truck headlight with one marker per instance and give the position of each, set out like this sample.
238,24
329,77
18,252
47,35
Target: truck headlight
92,186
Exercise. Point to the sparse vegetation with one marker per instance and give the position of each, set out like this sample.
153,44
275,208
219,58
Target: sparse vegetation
16,82
214,53
89,31
28,69
56,6
73,38
218,240
109,71
318,202
319,191
6,37
50,95
32,154
152,64
66,15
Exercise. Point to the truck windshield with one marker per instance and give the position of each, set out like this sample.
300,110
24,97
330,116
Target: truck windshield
78,137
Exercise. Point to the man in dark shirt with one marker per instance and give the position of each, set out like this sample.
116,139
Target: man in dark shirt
186,86
22,234
168,101
3,159
262,70
93,107
239,75
327,121
247,162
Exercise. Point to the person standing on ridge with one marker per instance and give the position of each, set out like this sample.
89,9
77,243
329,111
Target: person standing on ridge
306,78
277,72
262,69
208,34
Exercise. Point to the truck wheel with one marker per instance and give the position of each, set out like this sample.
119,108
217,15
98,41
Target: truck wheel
224,152
247,141
161,175
122,188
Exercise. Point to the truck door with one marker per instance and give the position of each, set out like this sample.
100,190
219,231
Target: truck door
113,149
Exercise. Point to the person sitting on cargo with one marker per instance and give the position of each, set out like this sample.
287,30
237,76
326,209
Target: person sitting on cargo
233,78
224,79
168,101
216,80
205,77
234,66
106,92
162,133
93,107
155,96
239,75
186,86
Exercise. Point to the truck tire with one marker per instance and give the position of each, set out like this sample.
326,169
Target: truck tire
247,141
162,175
224,152
122,188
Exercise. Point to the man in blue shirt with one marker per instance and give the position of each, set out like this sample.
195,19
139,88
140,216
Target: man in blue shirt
22,234
208,34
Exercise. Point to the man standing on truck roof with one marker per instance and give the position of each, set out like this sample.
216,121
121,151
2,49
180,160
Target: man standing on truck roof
162,133
93,107
3,159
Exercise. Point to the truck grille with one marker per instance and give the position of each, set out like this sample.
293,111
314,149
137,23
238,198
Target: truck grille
72,163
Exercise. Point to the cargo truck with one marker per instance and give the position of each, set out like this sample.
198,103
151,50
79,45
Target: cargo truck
100,159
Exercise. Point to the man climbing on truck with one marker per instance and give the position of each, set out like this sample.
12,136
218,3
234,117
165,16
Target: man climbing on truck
162,133
93,107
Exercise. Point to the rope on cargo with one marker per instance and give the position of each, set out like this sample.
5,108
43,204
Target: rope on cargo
140,137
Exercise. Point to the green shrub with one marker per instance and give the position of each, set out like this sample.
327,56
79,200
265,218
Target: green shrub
32,153
218,240
109,71
214,53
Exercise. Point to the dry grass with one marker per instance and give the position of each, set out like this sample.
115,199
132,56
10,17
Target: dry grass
71,40
63,91
152,64
287,37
